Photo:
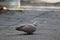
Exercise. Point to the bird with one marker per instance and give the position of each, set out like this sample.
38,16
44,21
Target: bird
27,28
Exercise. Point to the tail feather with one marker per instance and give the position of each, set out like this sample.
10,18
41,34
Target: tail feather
35,23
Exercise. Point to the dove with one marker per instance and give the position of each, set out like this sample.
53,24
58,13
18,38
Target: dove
28,28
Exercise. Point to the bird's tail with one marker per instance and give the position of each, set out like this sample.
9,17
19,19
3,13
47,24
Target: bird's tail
35,23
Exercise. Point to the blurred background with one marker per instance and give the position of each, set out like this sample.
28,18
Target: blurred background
18,3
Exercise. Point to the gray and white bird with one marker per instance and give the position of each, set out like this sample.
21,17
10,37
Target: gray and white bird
28,28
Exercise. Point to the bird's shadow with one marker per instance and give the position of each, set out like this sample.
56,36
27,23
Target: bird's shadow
23,34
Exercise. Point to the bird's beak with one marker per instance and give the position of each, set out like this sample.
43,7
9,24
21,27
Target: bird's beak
18,29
